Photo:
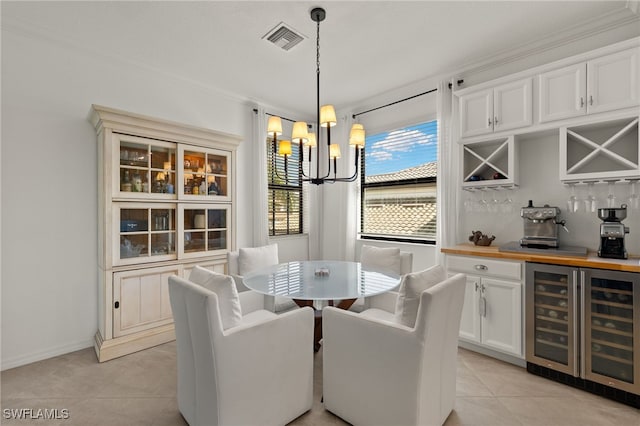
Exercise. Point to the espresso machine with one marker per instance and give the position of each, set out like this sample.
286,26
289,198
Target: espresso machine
612,232
540,226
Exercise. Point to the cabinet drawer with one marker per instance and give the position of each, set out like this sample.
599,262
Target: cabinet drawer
484,266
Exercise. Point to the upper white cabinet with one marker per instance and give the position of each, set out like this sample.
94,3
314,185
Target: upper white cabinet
603,84
504,107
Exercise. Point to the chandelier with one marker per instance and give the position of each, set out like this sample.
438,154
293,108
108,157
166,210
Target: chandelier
325,119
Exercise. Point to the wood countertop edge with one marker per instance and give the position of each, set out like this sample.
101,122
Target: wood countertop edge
591,261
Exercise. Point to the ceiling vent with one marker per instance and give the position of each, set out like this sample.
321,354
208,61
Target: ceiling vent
284,36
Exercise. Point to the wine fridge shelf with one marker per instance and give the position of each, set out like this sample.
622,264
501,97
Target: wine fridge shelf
612,331
613,344
612,304
555,345
556,283
555,320
611,290
613,317
552,331
612,358
556,295
552,307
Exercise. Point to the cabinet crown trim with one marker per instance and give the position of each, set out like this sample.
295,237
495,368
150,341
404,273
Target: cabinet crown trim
141,125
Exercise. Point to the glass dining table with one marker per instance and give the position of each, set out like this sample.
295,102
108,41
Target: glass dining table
319,283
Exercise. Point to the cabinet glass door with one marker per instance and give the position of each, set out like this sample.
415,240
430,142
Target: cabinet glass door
145,168
205,174
611,337
551,302
205,229
145,233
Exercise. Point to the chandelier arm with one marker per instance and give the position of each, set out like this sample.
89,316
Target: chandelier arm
301,162
274,164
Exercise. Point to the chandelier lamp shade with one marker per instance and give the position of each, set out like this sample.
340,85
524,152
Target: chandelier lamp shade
326,119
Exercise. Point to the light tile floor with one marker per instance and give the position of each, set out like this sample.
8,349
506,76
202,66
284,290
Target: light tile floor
140,389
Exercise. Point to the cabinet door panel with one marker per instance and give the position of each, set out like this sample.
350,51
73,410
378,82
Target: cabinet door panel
563,93
476,113
512,105
142,299
612,81
470,320
502,322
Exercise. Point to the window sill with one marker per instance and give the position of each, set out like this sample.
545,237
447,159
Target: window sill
417,241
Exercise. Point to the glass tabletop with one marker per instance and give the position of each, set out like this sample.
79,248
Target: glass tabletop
320,280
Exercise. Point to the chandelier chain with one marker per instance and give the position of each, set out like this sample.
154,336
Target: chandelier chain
318,47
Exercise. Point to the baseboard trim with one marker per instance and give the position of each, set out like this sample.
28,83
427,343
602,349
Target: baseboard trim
21,360
511,359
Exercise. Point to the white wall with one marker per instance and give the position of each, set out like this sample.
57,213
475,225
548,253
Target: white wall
49,182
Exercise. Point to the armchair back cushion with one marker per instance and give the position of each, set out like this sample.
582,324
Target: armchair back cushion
411,288
252,258
224,287
385,259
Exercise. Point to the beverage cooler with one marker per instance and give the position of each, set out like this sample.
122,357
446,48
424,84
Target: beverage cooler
585,323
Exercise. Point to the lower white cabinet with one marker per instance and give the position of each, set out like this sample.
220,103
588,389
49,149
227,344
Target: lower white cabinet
492,312
141,299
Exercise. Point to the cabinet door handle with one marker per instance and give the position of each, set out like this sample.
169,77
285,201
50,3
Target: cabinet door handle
482,307
590,99
476,286
481,267
495,120
489,120
581,102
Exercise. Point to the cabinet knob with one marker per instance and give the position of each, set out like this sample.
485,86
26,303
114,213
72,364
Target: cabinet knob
116,305
481,267
489,121
581,102
590,99
495,120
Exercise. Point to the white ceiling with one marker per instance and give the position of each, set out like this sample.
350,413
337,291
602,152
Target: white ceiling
367,47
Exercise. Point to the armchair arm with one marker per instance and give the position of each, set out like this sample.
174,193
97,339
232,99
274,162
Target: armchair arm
359,353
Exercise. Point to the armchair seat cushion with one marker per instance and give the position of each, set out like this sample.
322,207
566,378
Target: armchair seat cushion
379,314
256,317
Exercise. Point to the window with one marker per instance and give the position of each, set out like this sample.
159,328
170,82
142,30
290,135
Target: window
285,191
398,184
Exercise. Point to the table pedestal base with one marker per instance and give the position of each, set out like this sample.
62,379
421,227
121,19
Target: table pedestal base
317,329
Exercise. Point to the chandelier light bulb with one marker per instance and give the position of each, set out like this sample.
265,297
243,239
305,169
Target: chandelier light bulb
357,136
334,151
300,132
284,148
327,116
274,125
311,140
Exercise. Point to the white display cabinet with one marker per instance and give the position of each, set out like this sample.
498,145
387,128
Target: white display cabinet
153,223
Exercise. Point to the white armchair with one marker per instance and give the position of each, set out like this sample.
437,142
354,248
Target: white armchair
378,371
245,260
238,376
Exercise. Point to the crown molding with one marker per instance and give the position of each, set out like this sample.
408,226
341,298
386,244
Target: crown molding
583,30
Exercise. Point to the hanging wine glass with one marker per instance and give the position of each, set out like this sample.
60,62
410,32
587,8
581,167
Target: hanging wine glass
482,203
634,198
469,202
572,202
494,203
611,196
590,202
507,204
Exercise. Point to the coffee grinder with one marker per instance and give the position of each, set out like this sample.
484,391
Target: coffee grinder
612,232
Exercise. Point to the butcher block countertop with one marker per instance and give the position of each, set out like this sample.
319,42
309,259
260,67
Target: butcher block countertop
591,260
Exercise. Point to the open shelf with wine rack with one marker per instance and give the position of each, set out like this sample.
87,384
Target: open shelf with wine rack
490,164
